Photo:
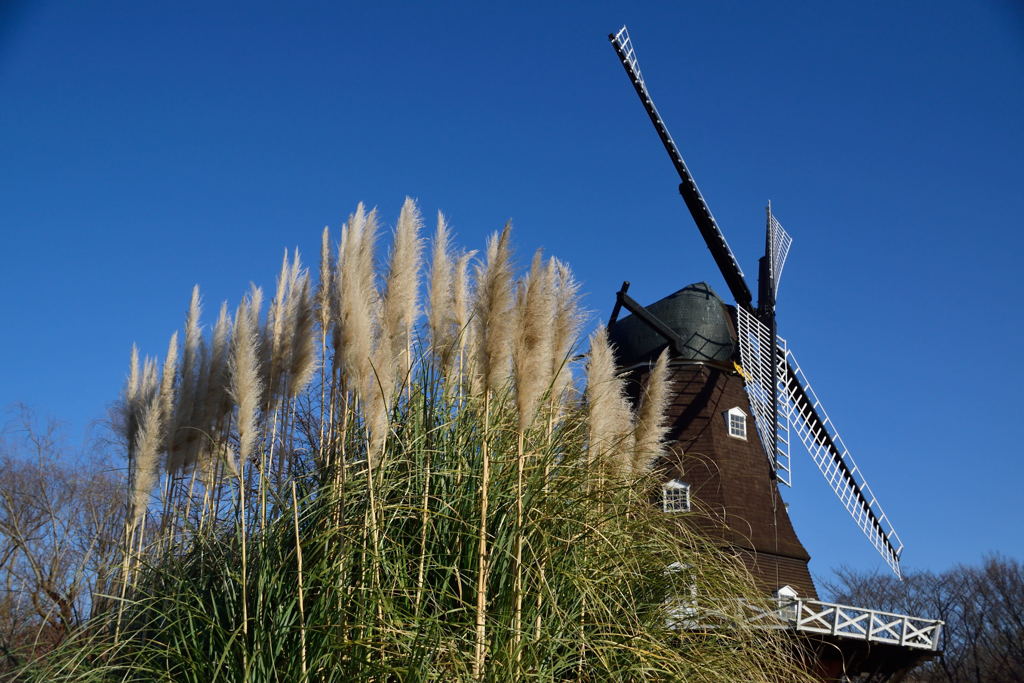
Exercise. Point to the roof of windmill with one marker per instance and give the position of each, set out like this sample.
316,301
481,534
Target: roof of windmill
694,312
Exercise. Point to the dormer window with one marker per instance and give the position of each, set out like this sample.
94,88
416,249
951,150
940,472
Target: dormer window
736,422
675,496
786,594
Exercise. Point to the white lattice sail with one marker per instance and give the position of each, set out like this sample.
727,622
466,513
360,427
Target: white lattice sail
818,433
780,243
756,356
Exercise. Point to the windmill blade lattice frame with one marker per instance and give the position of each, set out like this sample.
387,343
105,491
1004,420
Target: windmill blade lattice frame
780,243
816,430
755,342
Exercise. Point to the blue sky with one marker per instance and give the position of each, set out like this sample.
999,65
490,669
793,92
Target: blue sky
147,147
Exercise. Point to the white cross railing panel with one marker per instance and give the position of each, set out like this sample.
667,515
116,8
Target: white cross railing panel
845,621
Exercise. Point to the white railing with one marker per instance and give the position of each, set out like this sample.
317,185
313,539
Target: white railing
815,616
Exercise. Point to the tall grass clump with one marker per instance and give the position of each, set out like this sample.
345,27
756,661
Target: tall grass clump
341,491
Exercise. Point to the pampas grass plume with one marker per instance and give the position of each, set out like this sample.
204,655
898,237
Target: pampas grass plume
303,359
441,314
147,451
566,324
324,298
217,403
493,314
652,423
610,416
246,386
400,300
170,371
532,345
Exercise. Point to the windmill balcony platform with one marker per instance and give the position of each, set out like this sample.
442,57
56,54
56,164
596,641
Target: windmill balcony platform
843,621
815,617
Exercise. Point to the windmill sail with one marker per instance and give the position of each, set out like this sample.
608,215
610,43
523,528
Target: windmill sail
818,433
780,242
706,223
756,350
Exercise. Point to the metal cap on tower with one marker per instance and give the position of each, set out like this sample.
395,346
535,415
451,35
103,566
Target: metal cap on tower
694,313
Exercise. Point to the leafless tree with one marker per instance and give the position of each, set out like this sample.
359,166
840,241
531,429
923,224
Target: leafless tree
61,520
983,607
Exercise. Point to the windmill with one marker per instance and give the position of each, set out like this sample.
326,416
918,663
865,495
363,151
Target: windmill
726,361
781,399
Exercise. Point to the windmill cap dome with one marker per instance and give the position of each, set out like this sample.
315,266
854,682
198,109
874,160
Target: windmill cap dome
695,313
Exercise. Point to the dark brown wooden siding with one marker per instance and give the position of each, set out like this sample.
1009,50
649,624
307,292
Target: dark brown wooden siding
735,496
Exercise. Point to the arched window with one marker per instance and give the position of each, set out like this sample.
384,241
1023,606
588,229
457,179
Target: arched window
675,496
736,423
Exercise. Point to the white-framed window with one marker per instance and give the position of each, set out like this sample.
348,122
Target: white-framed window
736,422
675,496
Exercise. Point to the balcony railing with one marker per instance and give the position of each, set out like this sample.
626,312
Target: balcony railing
815,616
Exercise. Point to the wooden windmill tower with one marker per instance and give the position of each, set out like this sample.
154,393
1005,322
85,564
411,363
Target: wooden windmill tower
741,399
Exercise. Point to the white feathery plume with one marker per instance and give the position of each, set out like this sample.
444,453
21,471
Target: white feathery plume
130,402
494,314
360,331
147,451
134,382
610,416
303,363
440,317
150,380
357,293
325,306
182,436
275,314
338,288
567,321
532,346
652,422
217,403
281,321
399,307
200,436
245,385
255,305
170,371
462,310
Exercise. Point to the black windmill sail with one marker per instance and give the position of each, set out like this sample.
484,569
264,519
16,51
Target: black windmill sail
702,216
780,394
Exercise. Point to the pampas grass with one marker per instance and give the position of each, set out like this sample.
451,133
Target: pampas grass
441,312
431,518
462,312
302,364
611,428
532,351
147,452
400,306
246,385
182,453
567,319
652,422
493,314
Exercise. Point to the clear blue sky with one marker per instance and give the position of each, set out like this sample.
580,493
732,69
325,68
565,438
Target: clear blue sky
145,147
